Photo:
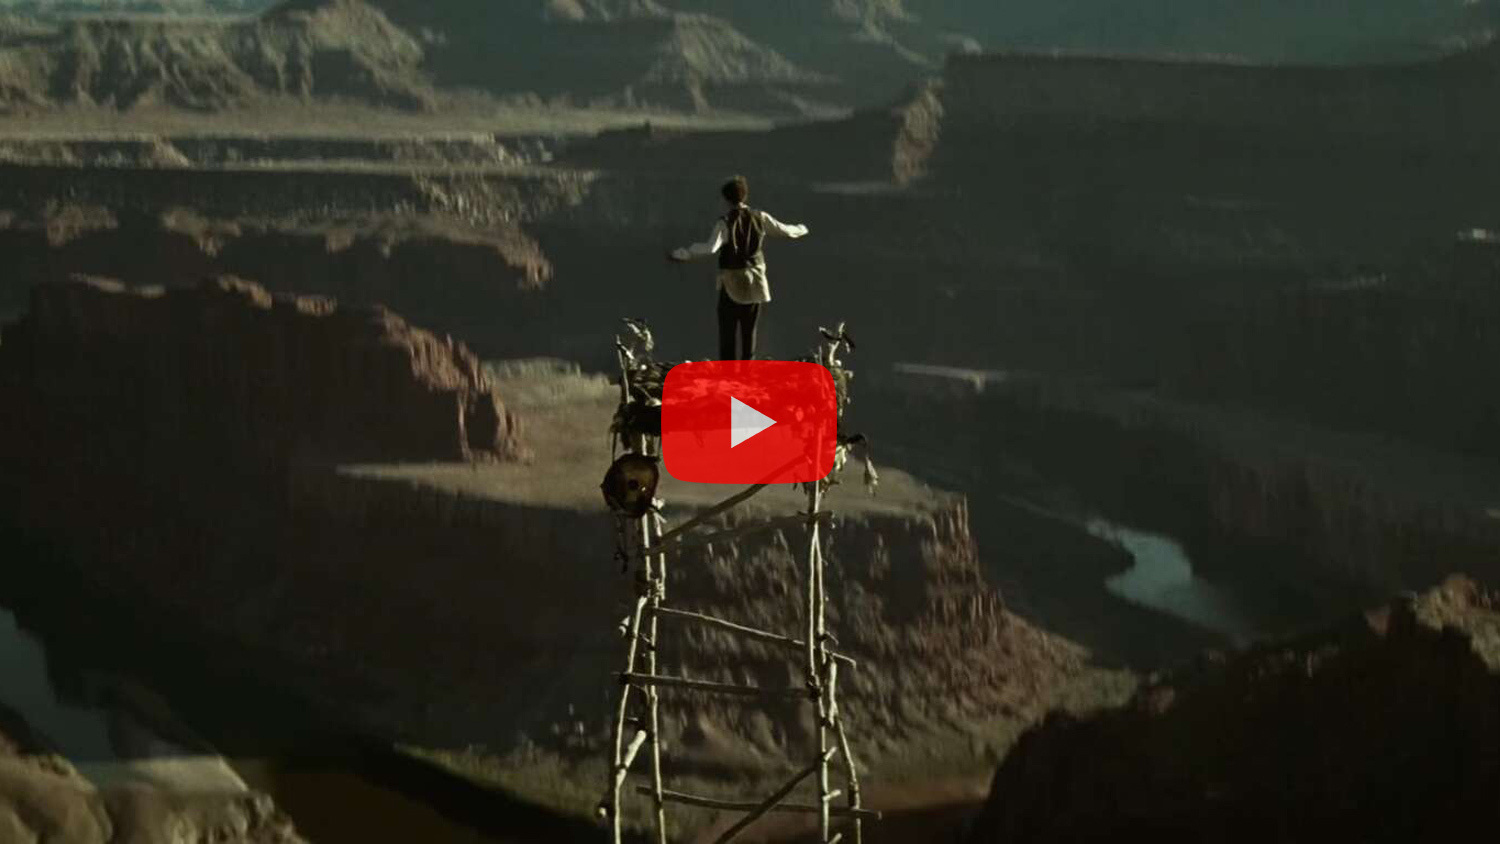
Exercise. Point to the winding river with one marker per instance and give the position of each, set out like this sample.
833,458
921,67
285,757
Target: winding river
1161,578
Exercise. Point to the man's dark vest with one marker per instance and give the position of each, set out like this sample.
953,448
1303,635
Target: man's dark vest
745,234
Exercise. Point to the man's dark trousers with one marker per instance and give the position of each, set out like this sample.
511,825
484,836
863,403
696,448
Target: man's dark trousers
736,318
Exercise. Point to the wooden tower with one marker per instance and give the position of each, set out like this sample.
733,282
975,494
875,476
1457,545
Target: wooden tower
644,544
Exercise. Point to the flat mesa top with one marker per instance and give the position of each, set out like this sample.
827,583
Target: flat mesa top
565,422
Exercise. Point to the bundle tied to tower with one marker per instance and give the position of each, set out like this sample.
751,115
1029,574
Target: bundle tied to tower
643,545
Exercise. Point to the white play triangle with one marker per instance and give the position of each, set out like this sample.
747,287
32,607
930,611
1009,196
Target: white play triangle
745,422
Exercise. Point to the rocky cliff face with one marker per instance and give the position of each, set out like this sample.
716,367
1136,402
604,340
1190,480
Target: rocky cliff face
340,48
814,58
433,245
175,417
43,798
1383,730
521,585
689,55
225,369
1210,231
692,56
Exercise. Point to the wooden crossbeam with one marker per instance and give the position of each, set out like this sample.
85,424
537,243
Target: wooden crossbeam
744,806
711,687
682,543
723,506
748,632
766,805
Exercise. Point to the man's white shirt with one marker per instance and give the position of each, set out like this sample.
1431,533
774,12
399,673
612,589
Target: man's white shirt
748,286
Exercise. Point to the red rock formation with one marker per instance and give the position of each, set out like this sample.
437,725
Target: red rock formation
1386,730
226,372
938,652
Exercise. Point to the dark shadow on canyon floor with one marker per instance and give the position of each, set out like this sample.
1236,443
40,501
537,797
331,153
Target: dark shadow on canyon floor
338,785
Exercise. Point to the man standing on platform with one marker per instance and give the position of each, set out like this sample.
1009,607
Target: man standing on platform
738,239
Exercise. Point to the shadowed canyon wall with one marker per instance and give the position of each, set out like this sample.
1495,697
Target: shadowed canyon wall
227,370
1416,104
1383,729
1295,517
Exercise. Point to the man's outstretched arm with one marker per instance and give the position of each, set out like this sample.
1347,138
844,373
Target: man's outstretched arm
701,250
775,226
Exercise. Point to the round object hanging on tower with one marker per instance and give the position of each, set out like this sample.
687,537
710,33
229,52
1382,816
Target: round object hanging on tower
630,485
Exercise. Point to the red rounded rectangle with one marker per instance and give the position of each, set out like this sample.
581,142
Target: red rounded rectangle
748,422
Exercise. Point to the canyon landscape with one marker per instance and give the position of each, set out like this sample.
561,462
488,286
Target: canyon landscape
1176,337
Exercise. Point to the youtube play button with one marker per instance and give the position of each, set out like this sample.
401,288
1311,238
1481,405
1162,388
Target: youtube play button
745,422
749,422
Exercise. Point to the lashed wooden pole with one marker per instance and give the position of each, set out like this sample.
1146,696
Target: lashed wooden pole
830,703
748,632
855,807
654,567
633,639
712,687
811,637
722,507
836,717
817,638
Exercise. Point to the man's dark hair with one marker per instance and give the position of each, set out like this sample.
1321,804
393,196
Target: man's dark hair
736,190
